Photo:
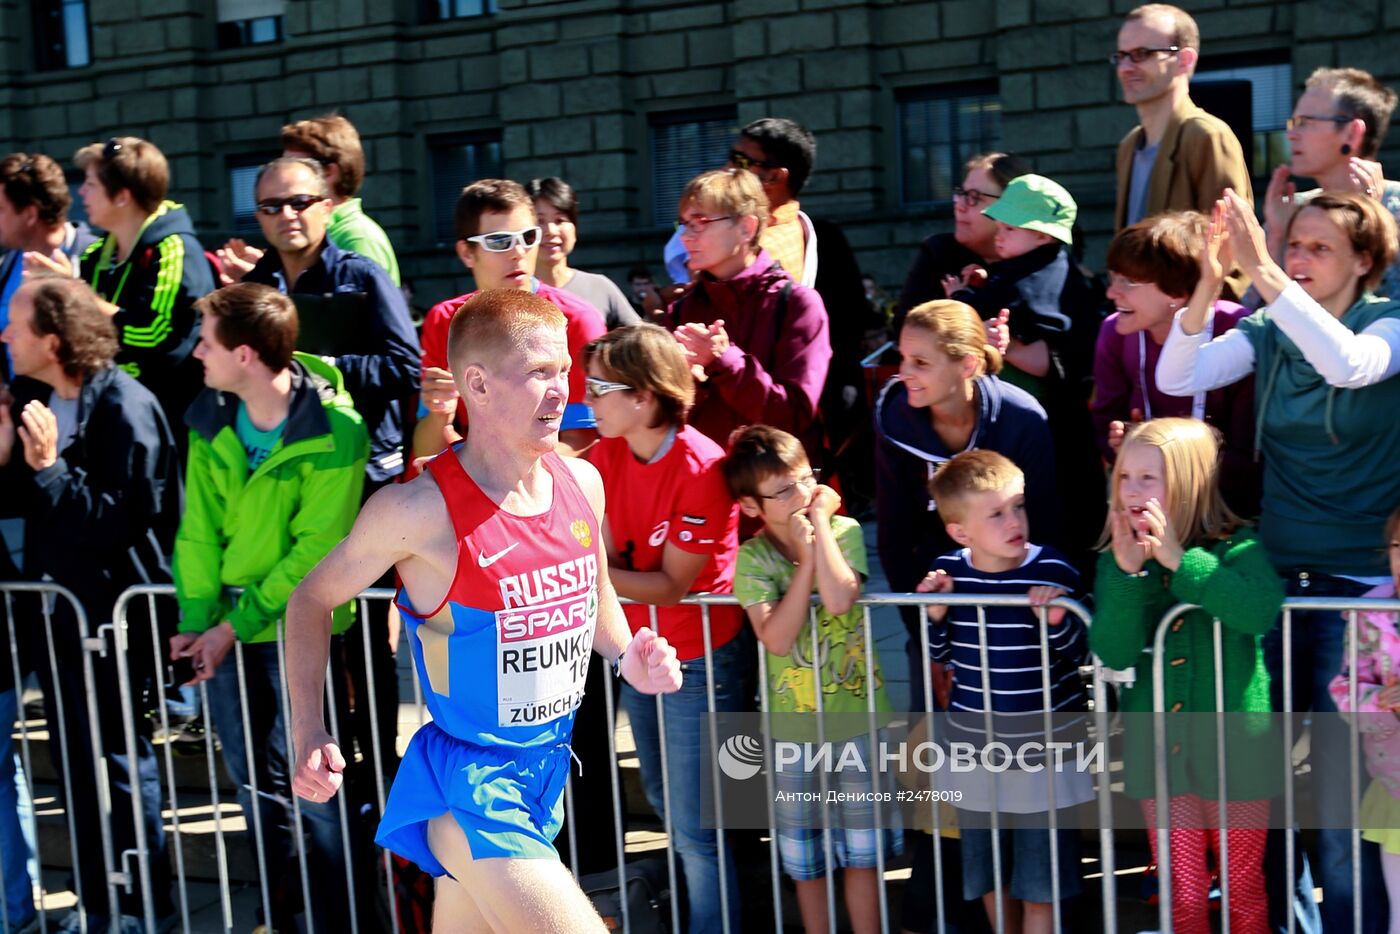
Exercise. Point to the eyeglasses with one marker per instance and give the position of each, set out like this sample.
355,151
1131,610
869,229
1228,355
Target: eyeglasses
972,197
298,203
596,388
1138,56
787,492
741,161
110,150
696,225
503,241
1303,121
1123,282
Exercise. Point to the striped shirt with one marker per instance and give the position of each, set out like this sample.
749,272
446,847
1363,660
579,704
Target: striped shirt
1013,645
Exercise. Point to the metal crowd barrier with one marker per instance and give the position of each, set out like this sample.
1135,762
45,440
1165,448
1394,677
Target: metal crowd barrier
122,869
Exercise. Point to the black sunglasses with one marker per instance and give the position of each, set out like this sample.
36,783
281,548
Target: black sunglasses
298,203
110,150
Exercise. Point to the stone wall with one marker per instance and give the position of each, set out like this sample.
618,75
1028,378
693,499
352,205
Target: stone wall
570,84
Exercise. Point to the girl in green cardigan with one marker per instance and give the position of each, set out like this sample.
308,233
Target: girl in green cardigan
1172,540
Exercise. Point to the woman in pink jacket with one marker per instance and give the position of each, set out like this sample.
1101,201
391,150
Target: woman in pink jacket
756,341
1377,685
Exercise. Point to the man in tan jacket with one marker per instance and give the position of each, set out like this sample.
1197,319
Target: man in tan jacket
1178,157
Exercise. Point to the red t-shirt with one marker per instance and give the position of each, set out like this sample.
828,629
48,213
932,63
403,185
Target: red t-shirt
584,323
681,499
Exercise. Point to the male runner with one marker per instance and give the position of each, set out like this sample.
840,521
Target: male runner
502,596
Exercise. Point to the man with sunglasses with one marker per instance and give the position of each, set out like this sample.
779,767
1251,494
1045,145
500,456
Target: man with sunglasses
34,202
498,239
1178,157
380,364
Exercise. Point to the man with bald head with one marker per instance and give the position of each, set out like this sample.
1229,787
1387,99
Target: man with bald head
505,592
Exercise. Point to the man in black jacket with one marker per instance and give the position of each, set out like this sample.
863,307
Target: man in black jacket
90,459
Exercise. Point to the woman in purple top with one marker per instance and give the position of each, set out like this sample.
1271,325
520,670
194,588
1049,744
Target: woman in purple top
1153,269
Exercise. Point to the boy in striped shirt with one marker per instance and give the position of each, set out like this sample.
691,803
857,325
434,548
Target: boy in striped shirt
981,497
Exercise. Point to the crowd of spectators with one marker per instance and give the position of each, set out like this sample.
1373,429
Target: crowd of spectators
215,419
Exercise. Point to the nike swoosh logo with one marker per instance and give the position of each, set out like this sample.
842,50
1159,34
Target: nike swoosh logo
485,561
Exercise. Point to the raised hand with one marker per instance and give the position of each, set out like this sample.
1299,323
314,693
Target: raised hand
1117,430
650,665
999,330
825,502
1366,177
1246,237
437,390
802,535
39,432
1129,553
1161,539
57,262
237,258
1279,203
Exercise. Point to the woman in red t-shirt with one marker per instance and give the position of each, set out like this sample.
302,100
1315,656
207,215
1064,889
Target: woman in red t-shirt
670,529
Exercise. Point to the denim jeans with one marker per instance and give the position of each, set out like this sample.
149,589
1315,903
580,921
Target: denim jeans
325,855
16,822
685,711
1318,638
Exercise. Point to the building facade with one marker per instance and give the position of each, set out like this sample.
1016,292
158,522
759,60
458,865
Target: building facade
626,99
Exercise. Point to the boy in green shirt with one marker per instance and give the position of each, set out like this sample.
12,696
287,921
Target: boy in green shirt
816,662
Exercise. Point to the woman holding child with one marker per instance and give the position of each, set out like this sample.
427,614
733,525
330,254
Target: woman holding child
1326,349
670,530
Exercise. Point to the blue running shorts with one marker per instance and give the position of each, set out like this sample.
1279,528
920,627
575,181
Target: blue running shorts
508,800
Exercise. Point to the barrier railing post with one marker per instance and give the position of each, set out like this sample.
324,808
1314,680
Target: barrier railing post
377,744
254,793
25,755
1161,773
871,686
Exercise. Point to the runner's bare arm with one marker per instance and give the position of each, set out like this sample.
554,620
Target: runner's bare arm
647,660
386,532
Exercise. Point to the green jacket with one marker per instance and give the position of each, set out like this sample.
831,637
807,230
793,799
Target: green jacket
354,231
1231,580
266,530
1330,478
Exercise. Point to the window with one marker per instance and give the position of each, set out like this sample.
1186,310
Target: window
242,182
1256,100
682,146
250,22
435,11
61,34
939,130
456,162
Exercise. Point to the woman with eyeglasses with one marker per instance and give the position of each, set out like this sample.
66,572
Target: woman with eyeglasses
1154,266
973,240
556,207
1335,135
670,530
148,269
1326,350
756,340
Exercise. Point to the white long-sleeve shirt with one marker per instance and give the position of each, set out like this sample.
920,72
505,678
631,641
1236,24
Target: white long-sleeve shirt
1192,363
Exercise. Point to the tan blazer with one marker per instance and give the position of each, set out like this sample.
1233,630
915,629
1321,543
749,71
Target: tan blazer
1199,157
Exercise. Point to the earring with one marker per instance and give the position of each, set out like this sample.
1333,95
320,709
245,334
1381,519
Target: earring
1346,149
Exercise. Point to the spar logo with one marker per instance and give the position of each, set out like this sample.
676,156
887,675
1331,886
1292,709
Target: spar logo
741,757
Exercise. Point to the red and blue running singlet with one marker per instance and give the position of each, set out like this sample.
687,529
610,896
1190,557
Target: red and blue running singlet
504,658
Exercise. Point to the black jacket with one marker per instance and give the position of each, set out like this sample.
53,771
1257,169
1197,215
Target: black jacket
103,517
156,289
383,373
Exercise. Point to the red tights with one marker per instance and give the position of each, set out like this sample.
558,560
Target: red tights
1194,828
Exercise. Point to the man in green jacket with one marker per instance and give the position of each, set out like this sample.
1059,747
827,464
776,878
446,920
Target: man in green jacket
276,469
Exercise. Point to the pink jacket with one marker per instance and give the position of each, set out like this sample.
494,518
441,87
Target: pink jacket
1377,662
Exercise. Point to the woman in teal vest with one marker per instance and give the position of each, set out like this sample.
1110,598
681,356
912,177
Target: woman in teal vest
1324,349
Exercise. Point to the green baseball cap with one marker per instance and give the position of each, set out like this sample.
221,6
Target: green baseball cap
1037,203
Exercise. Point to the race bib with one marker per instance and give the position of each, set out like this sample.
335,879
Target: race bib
542,654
